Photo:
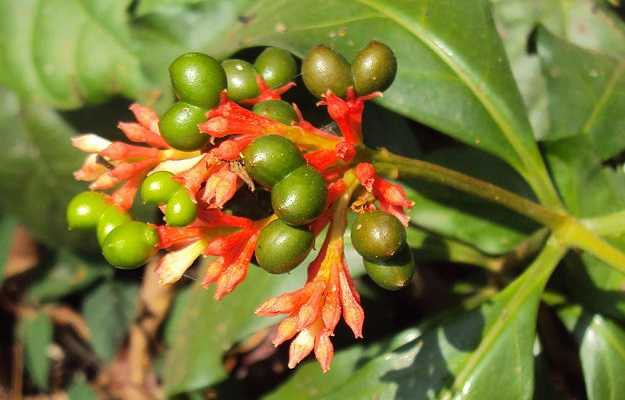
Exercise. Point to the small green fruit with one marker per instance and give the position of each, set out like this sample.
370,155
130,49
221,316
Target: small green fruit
282,247
181,209
374,68
158,187
276,66
394,273
130,245
278,110
179,126
85,209
377,235
300,197
241,77
323,69
197,79
268,159
110,219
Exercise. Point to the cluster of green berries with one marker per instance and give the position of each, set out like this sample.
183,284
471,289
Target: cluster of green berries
298,191
125,243
199,79
380,239
373,70
298,196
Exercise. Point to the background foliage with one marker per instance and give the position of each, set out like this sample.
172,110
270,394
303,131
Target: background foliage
526,94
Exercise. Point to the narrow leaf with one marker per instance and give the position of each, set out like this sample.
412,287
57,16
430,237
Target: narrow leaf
35,332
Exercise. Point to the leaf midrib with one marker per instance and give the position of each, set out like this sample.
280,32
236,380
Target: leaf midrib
606,94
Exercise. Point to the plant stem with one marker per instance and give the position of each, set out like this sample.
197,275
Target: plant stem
445,176
573,233
569,231
607,225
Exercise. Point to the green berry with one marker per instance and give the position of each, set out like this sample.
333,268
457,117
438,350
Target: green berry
282,247
377,235
278,110
241,77
110,219
179,126
276,66
300,197
323,69
158,187
130,245
197,79
269,159
394,273
374,68
181,209
85,209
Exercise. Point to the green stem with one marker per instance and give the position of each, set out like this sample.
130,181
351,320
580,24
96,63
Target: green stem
566,229
444,176
574,234
607,225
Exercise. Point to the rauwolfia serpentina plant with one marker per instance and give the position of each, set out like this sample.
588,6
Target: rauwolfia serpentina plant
261,191
231,129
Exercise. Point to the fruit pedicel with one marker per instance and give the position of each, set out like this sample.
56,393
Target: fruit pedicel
230,133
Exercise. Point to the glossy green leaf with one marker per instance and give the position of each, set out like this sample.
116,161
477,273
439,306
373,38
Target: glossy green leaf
309,382
589,190
108,310
602,351
587,23
7,226
68,274
586,94
470,355
69,52
36,165
35,332
490,228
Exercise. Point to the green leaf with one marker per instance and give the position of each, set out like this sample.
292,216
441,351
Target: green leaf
66,53
490,228
69,273
578,172
109,309
309,382
149,6
586,94
7,226
35,331
80,390
602,351
443,79
36,165
586,23
471,355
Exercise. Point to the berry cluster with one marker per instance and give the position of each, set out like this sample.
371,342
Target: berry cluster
230,133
